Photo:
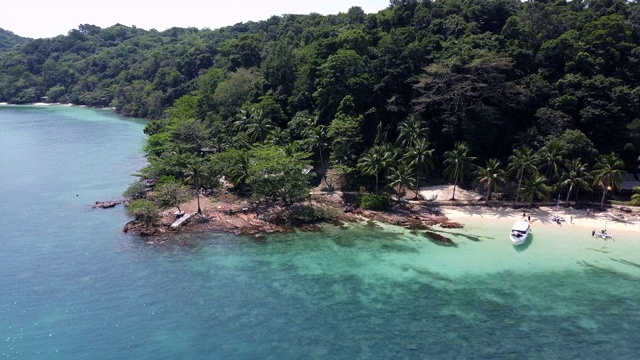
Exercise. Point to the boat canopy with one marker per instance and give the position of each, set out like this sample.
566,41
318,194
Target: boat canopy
520,226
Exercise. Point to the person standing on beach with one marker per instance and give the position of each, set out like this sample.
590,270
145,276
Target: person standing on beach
571,219
593,233
529,218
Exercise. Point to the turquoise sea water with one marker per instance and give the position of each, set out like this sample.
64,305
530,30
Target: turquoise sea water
73,286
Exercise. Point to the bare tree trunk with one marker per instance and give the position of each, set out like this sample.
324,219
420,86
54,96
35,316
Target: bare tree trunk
569,194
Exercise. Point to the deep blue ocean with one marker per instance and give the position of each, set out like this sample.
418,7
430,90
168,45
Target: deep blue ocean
73,286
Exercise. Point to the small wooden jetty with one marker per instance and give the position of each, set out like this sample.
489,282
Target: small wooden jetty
182,220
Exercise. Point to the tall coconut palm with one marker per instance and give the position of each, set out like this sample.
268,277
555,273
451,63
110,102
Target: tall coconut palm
317,138
402,176
492,176
373,162
576,176
458,164
194,171
411,131
536,188
522,161
607,174
421,158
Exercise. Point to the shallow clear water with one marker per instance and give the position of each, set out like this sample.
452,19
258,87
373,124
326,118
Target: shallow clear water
73,286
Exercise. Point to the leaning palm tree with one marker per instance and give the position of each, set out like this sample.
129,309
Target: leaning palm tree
458,164
536,188
372,163
492,176
402,177
576,176
607,174
421,158
522,161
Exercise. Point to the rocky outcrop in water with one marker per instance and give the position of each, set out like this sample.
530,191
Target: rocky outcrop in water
108,204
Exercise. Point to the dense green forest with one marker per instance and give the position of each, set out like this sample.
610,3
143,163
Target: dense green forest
545,94
9,39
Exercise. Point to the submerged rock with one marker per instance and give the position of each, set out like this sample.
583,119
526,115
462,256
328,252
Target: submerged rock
451,225
439,239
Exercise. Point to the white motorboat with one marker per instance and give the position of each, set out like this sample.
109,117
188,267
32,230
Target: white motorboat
519,232
604,234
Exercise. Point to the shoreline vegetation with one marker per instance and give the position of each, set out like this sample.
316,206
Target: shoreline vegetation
224,212
221,211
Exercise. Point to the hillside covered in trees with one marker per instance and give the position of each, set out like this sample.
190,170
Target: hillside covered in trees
545,93
9,39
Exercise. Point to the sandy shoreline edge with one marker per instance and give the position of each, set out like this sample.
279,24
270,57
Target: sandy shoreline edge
226,214
613,219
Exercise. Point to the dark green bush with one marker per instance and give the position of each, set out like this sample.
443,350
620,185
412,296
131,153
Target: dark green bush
143,210
374,201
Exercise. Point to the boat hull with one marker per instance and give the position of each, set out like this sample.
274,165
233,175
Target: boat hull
520,232
519,240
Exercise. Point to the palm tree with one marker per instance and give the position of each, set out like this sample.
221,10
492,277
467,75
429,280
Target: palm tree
411,131
402,176
521,162
536,188
239,169
372,163
259,126
244,117
607,174
421,158
550,158
576,176
458,164
390,156
194,171
317,137
278,136
491,176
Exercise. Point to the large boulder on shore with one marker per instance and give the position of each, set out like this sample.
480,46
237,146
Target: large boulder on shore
107,204
139,229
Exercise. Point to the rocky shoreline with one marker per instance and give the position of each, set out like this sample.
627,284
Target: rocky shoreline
242,218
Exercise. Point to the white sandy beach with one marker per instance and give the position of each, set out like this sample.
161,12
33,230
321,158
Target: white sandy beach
613,219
